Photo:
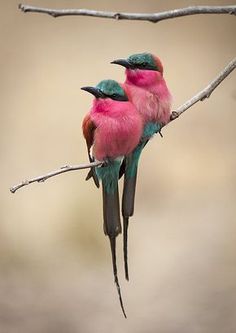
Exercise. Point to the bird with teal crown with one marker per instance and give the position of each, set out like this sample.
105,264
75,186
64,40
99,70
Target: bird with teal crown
112,129
147,90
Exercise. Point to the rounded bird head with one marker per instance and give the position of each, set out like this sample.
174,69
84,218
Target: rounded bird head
142,61
107,89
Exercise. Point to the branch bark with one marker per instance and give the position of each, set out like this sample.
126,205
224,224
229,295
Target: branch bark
206,92
151,17
63,169
202,95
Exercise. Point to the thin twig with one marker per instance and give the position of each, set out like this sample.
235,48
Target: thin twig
50,174
151,17
205,93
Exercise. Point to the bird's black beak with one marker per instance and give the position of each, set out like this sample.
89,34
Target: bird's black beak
123,62
94,91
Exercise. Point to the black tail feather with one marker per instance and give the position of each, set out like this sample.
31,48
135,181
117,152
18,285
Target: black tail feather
112,227
111,212
128,196
122,168
113,252
125,246
128,199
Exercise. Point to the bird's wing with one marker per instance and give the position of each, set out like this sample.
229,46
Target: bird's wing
89,128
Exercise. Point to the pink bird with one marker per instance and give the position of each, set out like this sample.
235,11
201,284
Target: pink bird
112,128
147,89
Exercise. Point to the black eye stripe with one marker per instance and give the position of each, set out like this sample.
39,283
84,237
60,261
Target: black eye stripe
146,65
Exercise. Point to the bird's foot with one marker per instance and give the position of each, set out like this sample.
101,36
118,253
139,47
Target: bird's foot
174,115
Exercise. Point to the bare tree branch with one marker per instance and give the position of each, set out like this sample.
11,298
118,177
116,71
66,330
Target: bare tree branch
63,169
153,17
205,93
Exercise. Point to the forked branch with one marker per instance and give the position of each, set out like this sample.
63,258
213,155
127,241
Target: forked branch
202,95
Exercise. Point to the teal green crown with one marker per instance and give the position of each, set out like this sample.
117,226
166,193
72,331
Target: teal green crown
112,89
143,59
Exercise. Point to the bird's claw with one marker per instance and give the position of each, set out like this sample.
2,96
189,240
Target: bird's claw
174,115
161,135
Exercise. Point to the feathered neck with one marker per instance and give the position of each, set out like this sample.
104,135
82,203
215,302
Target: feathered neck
143,78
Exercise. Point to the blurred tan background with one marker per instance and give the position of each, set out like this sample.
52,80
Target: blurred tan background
55,262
